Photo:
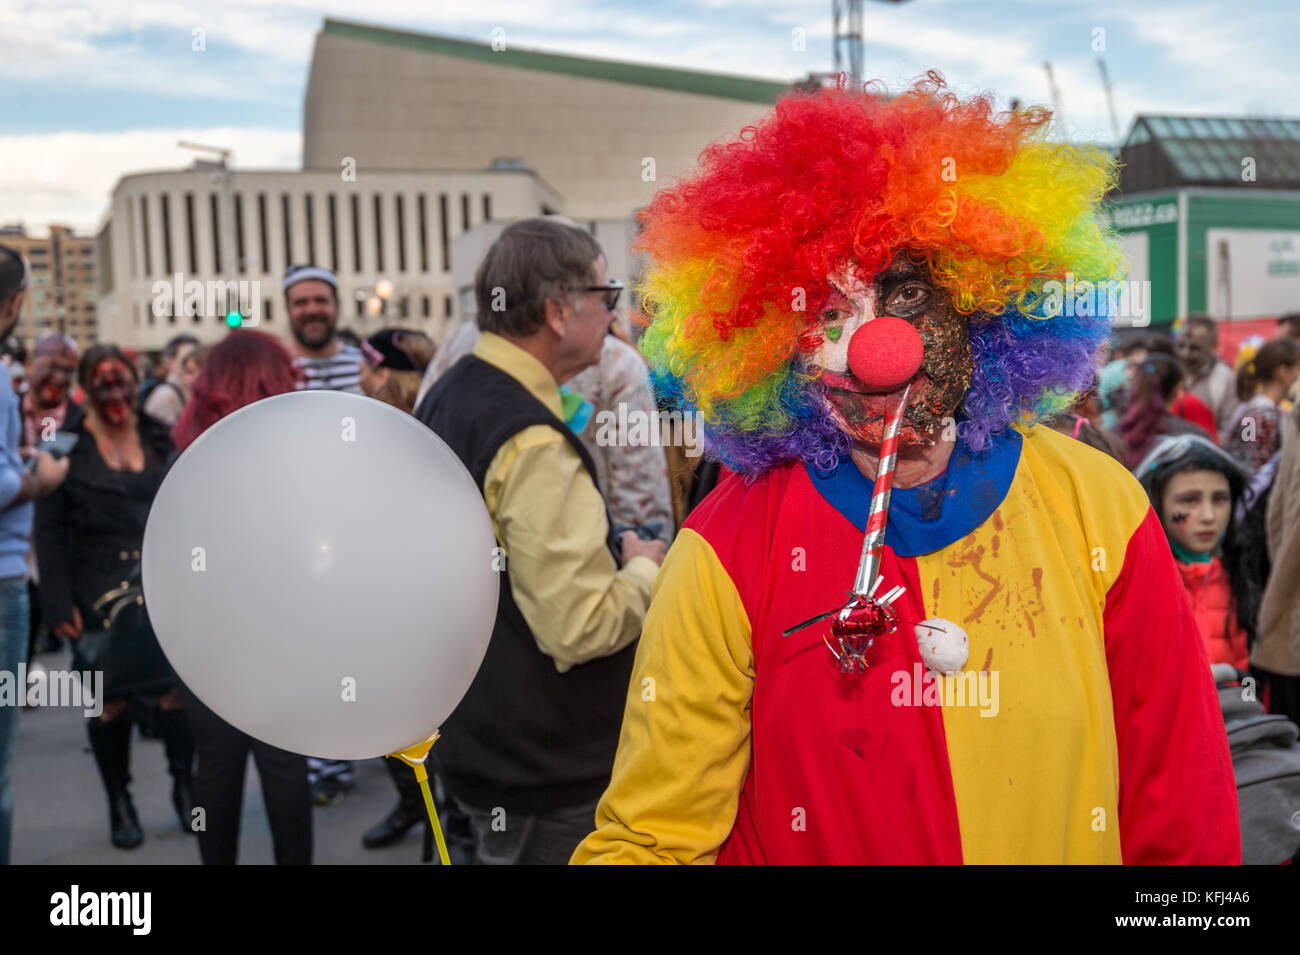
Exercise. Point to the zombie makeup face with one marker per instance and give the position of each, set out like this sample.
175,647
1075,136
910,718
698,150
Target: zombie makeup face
1196,348
112,388
904,290
1195,508
51,377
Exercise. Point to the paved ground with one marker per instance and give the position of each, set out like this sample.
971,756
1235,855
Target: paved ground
61,812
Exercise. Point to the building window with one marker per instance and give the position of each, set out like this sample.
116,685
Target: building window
361,306
144,232
426,307
214,208
464,212
266,310
334,233
379,233
310,220
239,234
356,234
261,232
422,215
193,256
165,200
287,222
130,241
487,207
404,307
401,232
446,306
444,234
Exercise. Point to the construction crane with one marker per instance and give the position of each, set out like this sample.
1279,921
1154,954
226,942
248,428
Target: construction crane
1058,113
1110,98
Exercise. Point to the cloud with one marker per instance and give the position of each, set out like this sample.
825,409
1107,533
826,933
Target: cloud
68,177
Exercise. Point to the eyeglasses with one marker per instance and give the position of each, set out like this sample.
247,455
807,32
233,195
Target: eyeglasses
612,291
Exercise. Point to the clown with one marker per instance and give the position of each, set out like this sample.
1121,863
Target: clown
850,260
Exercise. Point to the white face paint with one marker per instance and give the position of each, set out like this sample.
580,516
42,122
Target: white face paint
851,305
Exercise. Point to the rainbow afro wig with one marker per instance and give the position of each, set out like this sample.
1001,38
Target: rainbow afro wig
740,255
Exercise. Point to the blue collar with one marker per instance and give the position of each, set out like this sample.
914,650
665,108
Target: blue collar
931,516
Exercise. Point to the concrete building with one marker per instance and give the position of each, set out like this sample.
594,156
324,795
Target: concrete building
167,229
410,140
61,287
604,134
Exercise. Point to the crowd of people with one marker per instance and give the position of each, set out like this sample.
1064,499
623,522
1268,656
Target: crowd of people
586,523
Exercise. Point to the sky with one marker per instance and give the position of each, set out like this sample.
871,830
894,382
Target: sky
91,90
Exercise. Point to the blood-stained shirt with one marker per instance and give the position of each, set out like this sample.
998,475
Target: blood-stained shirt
1084,727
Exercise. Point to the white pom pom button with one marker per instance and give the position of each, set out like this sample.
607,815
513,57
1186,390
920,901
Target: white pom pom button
944,645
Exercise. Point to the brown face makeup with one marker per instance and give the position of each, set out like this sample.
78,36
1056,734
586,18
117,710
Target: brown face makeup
905,290
112,388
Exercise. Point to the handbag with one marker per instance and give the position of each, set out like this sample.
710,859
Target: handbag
125,648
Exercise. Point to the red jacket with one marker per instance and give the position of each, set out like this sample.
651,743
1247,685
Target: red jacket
1211,598
1193,409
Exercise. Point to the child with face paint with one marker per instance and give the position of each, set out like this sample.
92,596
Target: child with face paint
1194,487
88,536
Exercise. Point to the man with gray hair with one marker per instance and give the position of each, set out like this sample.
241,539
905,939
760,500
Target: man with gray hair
530,748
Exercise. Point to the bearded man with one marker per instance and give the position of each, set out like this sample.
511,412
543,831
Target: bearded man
1095,735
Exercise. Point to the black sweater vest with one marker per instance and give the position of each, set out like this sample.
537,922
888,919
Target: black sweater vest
526,737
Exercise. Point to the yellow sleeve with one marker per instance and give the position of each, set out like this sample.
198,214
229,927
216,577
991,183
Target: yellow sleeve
550,520
684,749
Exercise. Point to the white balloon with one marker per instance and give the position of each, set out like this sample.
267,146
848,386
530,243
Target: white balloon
319,569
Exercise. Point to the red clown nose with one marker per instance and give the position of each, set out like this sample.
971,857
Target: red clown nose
885,353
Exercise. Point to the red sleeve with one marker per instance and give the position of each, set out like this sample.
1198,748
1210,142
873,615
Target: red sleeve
1177,794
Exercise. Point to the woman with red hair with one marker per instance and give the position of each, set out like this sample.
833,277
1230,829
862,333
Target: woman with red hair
246,367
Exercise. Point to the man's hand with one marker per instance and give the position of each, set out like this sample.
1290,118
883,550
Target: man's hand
49,473
634,546
69,629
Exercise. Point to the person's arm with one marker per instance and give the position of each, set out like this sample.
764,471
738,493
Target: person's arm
551,521
1177,794
18,485
638,474
684,748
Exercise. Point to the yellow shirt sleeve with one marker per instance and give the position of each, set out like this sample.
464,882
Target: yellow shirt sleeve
550,519
684,749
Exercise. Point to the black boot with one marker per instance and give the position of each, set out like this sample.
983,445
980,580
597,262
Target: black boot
178,743
408,812
111,743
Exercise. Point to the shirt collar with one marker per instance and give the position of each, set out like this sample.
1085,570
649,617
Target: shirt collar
522,367
933,515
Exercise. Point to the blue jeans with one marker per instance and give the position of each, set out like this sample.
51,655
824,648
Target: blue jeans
13,652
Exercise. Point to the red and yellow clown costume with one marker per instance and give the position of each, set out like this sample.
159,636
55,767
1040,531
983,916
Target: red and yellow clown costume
1084,727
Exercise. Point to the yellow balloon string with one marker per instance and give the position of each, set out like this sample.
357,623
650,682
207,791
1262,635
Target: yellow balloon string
414,756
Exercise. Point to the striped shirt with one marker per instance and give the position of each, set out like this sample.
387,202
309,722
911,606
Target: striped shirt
339,372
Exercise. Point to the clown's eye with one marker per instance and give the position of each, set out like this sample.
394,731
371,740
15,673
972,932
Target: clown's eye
910,295
834,333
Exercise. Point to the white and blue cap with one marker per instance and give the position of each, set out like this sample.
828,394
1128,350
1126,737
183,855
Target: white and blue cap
302,273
